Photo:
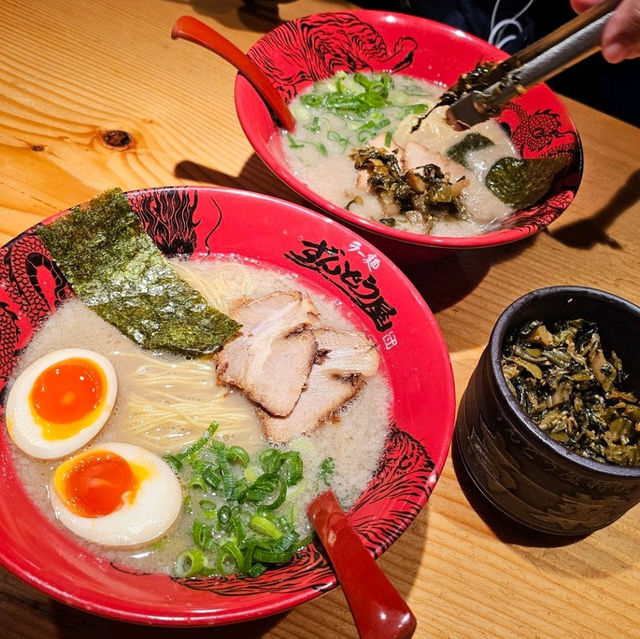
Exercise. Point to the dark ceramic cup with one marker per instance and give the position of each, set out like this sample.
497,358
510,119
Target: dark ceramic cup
527,475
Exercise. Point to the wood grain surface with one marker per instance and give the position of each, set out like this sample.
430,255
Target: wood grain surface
71,71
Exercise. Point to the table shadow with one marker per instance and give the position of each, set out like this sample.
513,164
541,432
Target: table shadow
606,552
587,233
73,624
445,281
256,15
506,529
254,168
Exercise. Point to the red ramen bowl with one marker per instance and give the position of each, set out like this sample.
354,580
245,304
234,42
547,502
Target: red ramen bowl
303,51
328,258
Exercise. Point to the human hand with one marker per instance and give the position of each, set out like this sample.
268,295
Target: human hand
621,35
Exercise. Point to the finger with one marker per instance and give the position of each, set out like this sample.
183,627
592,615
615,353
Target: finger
582,5
621,36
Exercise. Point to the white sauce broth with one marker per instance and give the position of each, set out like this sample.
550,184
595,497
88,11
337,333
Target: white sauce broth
318,151
165,403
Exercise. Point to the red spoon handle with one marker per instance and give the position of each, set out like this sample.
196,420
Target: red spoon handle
192,29
377,608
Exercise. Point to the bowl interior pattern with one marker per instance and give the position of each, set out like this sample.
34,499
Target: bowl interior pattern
205,222
303,51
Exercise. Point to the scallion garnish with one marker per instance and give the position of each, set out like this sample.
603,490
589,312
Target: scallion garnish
189,563
243,521
238,455
264,526
208,508
270,487
368,103
327,468
230,552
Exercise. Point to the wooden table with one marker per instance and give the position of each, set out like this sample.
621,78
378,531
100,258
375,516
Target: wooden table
73,70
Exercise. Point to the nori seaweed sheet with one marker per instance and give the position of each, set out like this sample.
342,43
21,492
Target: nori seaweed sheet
115,268
521,183
471,142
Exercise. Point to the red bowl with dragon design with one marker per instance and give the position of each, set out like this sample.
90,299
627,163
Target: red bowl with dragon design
327,257
303,51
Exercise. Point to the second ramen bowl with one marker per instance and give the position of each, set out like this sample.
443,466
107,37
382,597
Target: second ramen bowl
299,53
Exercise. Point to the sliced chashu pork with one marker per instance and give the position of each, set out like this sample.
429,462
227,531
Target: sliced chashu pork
344,360
271,358
416,155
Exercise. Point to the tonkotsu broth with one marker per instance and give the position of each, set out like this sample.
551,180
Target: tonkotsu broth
319,155
154,390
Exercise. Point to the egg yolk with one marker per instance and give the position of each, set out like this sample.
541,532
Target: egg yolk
66,396
97,482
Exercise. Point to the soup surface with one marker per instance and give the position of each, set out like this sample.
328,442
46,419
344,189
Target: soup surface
344,113
165,403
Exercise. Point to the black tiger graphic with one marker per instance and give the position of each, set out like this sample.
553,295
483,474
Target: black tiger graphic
403,477
309,569
315,48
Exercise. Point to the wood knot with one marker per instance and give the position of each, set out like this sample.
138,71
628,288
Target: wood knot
117,138
37,147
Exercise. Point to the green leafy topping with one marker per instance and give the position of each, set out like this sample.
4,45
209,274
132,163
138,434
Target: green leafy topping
425,191
327,468
117,270
470,142
563,380
521,183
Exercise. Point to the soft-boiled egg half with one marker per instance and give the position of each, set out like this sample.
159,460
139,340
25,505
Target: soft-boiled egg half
60,402
116,494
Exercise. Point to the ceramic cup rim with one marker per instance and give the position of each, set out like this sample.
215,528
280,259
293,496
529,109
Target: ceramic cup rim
508,401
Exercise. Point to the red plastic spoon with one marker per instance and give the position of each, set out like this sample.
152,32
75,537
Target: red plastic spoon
377,608
190,28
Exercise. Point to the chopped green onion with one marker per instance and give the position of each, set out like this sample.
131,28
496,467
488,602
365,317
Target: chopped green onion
291,467
264,526
292,143
238,455
269,459
240,489
239,526
224,516
202,535
255,570
415,109
189,563
266,486
272,557
212,476
224,466
208,508
327,468
312,100
229,551
174,462
196,446
314,127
